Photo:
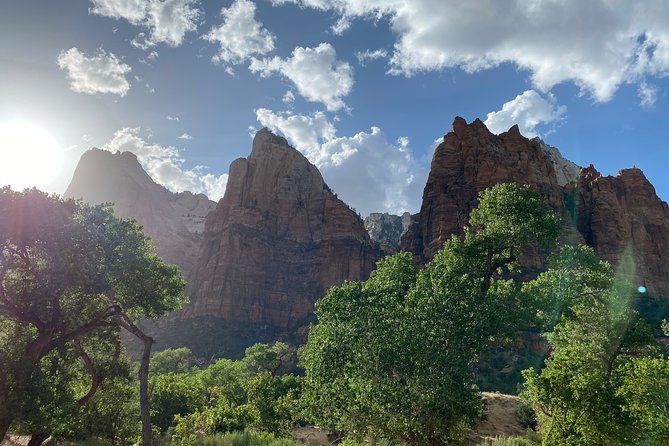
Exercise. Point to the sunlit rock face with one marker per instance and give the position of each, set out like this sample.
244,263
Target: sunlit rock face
626,223
387,229
621,217
277,241
175,221
469,160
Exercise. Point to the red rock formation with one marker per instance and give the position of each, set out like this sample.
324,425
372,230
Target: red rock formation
469,160
615,215
622,216
277,241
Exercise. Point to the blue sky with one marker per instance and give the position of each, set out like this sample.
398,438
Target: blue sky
362,88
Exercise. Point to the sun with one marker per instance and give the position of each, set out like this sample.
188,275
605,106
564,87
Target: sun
29,155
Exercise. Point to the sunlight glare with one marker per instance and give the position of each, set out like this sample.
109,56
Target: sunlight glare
29,155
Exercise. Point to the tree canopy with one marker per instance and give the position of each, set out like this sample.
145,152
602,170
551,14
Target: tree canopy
69,272
392,357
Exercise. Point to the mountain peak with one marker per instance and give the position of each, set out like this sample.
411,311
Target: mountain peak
265,139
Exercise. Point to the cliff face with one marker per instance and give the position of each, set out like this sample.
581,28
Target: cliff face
618,216
623,219
387,230
469,160
175,221
277,241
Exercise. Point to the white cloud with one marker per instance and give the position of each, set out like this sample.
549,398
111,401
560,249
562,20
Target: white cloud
172,118
529,110
647,94
364,56
185,136
596,44
101,73
153,55
167,21
288,97
316,73
133,11
240,36
366,170
165,165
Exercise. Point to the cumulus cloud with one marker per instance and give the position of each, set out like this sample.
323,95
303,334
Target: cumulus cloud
165,165
185,136
366,170
529,110
364,56
240,36
101,73
133,11
167,21
316,73
597,44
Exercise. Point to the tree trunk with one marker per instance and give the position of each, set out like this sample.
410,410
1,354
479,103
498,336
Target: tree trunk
4,427
37,439
144,402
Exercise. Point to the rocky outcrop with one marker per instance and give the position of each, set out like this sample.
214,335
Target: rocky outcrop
469,160
565,170
621,217
624,220
175,221
277,241
387,230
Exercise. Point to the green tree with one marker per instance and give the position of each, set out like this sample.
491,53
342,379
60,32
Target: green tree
392,357
175,394
69,271
578,396
172,360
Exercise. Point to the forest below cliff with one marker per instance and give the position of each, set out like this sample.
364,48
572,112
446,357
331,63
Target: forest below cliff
390,360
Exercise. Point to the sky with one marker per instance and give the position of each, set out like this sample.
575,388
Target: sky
363,88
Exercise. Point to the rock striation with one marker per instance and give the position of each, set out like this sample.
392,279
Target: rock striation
618,216
277,241
175,221
387,230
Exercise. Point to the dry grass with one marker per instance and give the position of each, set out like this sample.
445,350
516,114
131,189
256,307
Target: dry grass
501,418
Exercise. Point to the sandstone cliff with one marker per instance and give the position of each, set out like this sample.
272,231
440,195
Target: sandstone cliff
622,216
615,215
175,221
277,241
469,160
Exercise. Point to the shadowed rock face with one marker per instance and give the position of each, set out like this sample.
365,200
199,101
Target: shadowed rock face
175,221
617,216
277,241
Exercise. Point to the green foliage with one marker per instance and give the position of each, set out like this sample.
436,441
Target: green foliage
113,413
68,272
578,396
172,360
392,357
245,394
175,394
245,438
644,388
